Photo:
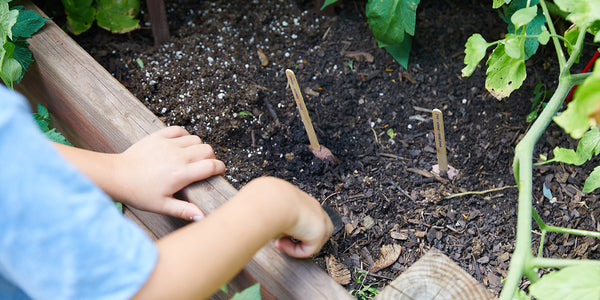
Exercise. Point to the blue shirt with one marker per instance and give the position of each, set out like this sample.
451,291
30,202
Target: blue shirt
61,237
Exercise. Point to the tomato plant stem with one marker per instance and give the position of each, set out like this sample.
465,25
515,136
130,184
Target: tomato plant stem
541,262
523,262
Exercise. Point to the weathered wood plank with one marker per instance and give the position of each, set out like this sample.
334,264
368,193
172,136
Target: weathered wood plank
434,276
98,113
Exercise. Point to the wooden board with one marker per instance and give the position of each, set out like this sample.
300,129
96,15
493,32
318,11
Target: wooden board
96,112
434,276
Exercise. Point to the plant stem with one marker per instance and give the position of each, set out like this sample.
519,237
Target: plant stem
520,262
541,262
480,192
559,51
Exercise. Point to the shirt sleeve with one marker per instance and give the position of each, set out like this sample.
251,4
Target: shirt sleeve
61,237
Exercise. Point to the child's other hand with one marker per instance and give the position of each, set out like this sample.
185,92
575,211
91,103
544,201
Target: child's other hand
161,164
305,220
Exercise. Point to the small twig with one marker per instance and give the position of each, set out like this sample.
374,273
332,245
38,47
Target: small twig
322,202
272,112
379,276
400,189
388,155
480,192
375,134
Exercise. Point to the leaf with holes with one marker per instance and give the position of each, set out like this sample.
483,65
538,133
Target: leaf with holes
504,74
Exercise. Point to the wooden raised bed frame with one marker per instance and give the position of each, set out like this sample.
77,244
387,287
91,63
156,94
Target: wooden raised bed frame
96,112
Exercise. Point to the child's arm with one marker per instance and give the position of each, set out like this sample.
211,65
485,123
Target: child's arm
196,260
147,174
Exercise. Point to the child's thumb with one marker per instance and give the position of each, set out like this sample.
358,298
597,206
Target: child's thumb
182,209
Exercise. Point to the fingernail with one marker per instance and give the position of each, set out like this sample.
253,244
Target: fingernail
197,218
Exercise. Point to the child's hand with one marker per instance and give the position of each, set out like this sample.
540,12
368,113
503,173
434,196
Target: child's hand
161,164
303,219
310,232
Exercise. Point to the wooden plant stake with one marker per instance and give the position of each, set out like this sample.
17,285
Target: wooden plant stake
440,139
442,167
318,150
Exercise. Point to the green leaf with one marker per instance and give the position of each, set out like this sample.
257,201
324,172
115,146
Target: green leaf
327,3
251,293
474,52
593,181
497,3
391,20
573,282
224,289
55,136
584,110
521,295
23,55
571,35
544,37
118,16
504,74
582,12
514,46
534,27
80,15
42,118
8,18
523,16
11,69
119,205
400,52
588,146
28,23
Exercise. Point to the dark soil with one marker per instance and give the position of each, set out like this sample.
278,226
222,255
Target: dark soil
210,80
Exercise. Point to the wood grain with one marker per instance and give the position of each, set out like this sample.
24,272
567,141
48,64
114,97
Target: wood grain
96,112
434,277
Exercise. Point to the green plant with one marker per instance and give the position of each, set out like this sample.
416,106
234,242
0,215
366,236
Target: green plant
506,72
250,293
364,291
539,100
44,122
15,25
116,16
392,23
390,132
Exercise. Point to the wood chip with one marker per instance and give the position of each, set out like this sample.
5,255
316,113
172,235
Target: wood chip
399,235
360,56
337,271
389,255
409,77
310,92
349,228
264,61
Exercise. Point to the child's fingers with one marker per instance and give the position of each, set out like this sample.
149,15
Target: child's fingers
295,249
198,152
187,140
204,168
172,132
181,209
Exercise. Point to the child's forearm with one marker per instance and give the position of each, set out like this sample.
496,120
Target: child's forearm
99,167
196,260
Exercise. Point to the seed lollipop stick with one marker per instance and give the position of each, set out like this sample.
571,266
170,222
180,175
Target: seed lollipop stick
442,168
318,150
